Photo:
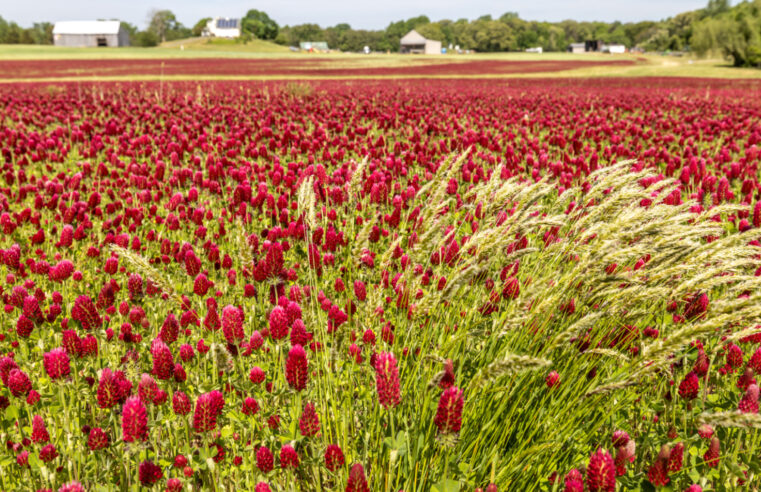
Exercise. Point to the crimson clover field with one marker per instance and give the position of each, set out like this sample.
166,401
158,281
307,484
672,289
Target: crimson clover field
443,284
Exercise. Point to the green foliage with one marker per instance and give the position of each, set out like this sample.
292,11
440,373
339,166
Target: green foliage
12,33
698,28
198,28
259,25
735,32
164,26
303,32
719,28
144,39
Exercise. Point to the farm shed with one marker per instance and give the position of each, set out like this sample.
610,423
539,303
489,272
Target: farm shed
414,42
222,27
576,48
593,45
614,48
90,34
314,46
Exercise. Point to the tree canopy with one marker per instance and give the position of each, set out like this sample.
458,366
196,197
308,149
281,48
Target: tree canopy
163,24
719,28
259,25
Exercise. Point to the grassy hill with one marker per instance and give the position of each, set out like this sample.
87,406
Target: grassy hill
225,45
183,48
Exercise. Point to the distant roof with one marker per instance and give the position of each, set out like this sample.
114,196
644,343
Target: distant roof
227,23
413,37
86,27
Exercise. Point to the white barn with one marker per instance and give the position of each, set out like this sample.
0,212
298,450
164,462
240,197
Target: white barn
414,42
614,48
222,27
90,34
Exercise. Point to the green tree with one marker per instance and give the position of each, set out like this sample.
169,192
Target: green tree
293,35
41,33
432,31
25,36
163,24
716,7
144,39
3,30
396,30
736,33
199,26
13,35
492,36
259,25
508,16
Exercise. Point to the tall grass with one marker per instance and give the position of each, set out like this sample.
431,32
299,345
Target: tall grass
516,432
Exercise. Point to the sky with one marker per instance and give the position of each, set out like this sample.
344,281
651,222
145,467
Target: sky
359,14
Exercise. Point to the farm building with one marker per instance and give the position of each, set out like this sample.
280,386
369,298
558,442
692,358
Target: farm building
90,34
222,27
614,48
414,42
314,46
591,46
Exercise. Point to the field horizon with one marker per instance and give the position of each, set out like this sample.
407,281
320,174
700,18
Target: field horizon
351,65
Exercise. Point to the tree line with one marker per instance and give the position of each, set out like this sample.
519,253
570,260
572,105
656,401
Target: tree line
718,28
12,33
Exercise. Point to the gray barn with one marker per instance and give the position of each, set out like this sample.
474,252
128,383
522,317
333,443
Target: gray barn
414,42
90,34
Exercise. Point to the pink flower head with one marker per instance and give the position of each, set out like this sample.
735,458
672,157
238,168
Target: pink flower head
181,403
264,459
357,481
250,406
134,420
39,431
149,473
19,383
334,457
278,322
449,413
97,439
288,457
208,408
711,456
85,312
688,388
232,324
749,401
387,380
296,368
163,361
309,423
56,363
601,472
48,453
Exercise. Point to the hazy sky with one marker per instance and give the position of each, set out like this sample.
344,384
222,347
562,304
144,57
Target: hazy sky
360,14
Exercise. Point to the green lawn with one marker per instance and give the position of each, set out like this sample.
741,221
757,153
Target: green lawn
187,48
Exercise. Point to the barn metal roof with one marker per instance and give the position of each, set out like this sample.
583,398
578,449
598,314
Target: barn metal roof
86,27
413,37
